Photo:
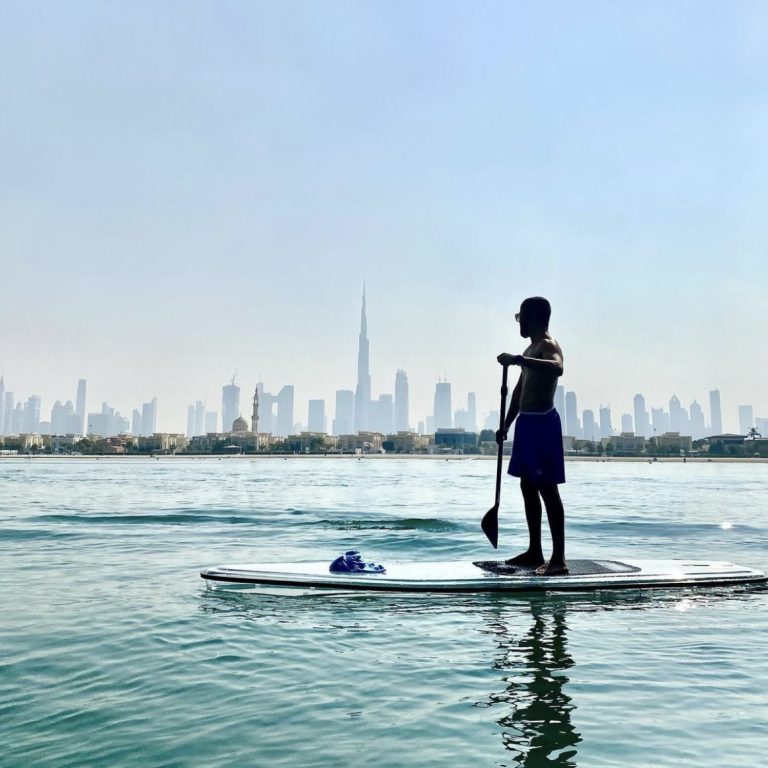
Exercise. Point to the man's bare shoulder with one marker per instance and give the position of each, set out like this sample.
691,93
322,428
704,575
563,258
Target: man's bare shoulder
549,346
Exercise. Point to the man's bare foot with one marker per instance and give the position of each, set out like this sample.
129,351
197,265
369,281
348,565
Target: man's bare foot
527,560
553,569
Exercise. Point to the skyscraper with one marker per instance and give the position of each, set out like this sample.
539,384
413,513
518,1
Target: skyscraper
345,409
7,406
381,415
402,416
626,423
230,405
642,423
363,390
100,423
589,427
267,402
199,423
571,415
316,416
255,415
2,405
135,423
606,428
698,429
285,411
191,421
715,414
64,420
461,419
660,421
443,412
560,402
120,424
678,417
149,418
746,419
107,422
17,419
31,419
80,409
472,411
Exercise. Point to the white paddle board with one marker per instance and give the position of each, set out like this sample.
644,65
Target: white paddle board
490,576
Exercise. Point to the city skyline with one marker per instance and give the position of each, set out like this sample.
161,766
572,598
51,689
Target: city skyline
171,217
27,414
381,414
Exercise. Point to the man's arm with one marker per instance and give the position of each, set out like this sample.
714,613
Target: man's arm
549,361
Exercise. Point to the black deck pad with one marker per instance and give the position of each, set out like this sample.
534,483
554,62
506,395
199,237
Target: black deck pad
575,567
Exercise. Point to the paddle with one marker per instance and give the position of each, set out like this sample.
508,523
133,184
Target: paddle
490,521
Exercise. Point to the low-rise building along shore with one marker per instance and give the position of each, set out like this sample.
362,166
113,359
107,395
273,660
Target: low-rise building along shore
443,442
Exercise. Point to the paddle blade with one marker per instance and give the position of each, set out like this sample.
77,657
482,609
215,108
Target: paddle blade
490,525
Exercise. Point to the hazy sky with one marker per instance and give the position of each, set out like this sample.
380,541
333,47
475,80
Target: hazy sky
189,189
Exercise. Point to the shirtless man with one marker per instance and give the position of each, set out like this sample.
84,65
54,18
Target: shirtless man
537,450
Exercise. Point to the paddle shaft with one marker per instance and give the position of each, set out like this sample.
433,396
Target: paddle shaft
502,419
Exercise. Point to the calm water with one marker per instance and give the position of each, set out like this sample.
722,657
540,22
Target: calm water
113,653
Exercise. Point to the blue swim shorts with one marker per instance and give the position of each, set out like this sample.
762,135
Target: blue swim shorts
537,448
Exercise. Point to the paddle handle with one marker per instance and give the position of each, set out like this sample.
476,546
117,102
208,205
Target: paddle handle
502,419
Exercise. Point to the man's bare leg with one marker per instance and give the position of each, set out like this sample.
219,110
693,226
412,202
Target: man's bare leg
533,557
556,519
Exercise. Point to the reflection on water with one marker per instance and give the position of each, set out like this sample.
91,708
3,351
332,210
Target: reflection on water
529,659
536,709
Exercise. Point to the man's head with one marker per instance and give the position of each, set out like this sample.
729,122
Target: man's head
533,316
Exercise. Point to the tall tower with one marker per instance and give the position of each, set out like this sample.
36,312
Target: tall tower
345,408
363,391
402,416
230,404
697,421
715,414
588,425
316,416
472,411
606,428
285,410
443,412
678,417
148,418
641,416
8,419
2,405
199,418
255,413
560,402
80,404
746,419
571,416
31,423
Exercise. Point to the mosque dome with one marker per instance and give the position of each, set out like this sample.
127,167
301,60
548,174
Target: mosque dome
239,425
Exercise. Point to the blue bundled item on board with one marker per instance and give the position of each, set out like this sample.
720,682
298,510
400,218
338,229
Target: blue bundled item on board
352,562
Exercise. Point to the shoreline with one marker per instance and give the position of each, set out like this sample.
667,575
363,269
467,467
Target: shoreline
386,457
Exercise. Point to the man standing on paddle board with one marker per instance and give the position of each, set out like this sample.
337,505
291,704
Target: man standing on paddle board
537,449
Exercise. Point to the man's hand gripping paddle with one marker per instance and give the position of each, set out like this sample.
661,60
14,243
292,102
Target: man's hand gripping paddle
490,521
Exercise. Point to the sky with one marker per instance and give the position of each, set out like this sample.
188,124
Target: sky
189,189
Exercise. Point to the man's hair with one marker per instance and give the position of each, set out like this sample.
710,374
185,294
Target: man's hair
537,309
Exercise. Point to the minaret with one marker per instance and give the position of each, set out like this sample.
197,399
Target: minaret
363,391
255,418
